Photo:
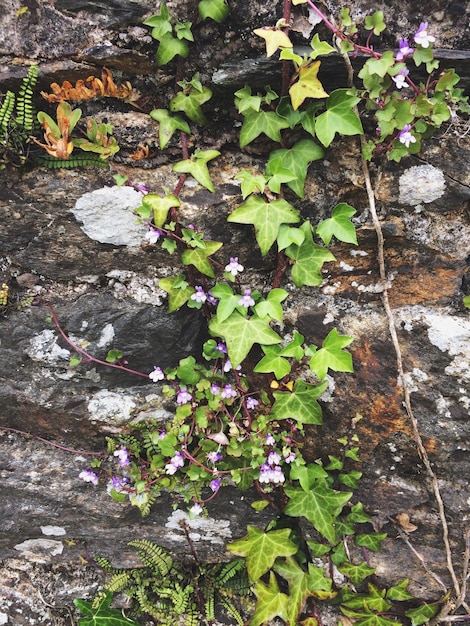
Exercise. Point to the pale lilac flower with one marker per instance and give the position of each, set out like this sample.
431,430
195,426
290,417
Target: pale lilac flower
153,235
251,403
183,396
400,78
215,484
289,456
270,441
421,36
405,137
157,374
199,295
162,435
213,456
273,458
196,509
211,299
89,476
123,456
228,366
221,347
270,474
215,389
116,482
246,300
404,50
175,463
234,266
228,392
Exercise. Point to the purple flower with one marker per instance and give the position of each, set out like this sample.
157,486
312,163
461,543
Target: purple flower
89,476
234,266
211,299
228,392
421,36
270,441
162,435
289,456
246,300
221,347
175,463
153,234
215,389
196,509
115,482
123,456
183,396
228,366
405,137
273,458
400,78
270,474
404,50
199,295
213,456
251,403
215,484
157,374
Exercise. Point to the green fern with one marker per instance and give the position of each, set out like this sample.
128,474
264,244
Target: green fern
76,160
153,556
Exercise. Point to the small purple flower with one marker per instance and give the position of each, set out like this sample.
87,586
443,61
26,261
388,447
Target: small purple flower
228,366
116,482
157,374
211,299
289,456
405,137
215,484
234,266
199,295
175,463
123,456
270,441
273,458
215,389
251,403
213,456
162,435
89,476
400,78
183,396
196,509
153,234
404,50
228,392
144,189
246,300
421,36
221,347
270,474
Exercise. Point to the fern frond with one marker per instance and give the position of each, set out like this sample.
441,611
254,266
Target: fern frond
153,556
118,582
232,610
192,616
76,160
6,112
98,599
25,111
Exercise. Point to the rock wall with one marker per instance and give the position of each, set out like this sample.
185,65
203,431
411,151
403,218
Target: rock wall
64,239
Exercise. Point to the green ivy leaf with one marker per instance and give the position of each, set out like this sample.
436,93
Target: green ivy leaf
256,123
271,602
169,48
338,225
273,362
422,614
294,348
399,592
190,103
272,305
300,404
261,549
356,573
186,371
320,506
161,23
320,48
200,257
159,207
307,475
289,235
168,125
466,302
309,259
339,117
217,10
241,333
371,541
266,217
245,101
250,183
332,356
296,160
183,31
281,176
113,356
102,615
375,22
177,289
75,360
197,167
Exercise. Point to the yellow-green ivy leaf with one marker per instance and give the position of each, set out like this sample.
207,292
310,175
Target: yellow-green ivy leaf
338,225
275,38
309,259
217,10
300,404
197,167
332,356
308,85
177,289
199,257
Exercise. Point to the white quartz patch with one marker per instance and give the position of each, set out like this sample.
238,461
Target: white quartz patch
39,550
200,529
107,406
44,348
56,531
421,184
107,215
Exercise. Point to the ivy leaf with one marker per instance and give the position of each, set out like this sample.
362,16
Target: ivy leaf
266,217
267,122
294,348
159,206
332,356
275,38
200,257
308,85
356,573
296,160
215,9
190,103
307,475
288,235
261,549
399,592
338,225
339,117
281,176
169,48
320,506
250,183
271,602
272,305
320,47
177,289
102,615
161,23
422,614
302,585
309,259
168,125
240,333
273,362
197,167
371,541
375,22
245,101
300,404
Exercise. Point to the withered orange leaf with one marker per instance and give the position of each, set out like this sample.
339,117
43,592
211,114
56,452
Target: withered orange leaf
404,520
91,88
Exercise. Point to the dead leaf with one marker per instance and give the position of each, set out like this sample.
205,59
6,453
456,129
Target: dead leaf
404,520
91,88
142,152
